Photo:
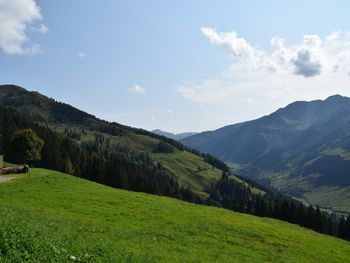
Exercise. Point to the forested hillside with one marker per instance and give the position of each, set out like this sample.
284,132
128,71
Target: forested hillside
302,150
135,160
103,138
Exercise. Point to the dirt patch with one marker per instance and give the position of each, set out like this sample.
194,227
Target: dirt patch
4,179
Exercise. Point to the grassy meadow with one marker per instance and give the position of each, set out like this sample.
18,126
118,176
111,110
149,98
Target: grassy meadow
54,217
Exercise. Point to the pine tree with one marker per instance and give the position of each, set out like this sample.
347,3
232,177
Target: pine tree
347,228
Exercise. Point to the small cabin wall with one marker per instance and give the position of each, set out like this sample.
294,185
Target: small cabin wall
1,161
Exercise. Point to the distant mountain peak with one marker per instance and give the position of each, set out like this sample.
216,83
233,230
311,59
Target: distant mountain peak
337,98
178,136
157,130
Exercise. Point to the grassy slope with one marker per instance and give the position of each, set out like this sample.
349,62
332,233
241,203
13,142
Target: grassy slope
190,169
334,198
54,216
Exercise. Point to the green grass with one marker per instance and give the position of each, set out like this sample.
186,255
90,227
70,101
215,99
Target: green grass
189,169
333,198
54,217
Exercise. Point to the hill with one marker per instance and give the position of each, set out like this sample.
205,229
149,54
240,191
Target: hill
115,155
54,217
178,136
302,150
189,168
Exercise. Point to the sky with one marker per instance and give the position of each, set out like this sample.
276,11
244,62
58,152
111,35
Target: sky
177,65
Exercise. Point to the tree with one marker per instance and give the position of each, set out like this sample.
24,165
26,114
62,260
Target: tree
341,227
163,147
347,228
26,146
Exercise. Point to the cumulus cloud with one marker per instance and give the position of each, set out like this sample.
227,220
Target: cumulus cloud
239,48
137,89
16,17
306,65
310,67
306,59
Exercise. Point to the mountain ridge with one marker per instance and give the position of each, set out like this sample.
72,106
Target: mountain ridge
280,150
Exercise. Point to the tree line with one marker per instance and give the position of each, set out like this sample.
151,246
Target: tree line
230,193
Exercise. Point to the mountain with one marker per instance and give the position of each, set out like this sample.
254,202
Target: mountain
302,150
178,136
189,168
54,217
80,144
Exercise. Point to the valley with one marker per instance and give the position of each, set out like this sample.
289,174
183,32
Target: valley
301,150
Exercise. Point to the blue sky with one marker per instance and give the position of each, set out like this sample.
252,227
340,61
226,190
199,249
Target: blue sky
177,65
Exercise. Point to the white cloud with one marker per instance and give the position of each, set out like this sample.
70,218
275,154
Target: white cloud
16,17
42,29
306,59
334,36
314,67
137,89
81,55
238,46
